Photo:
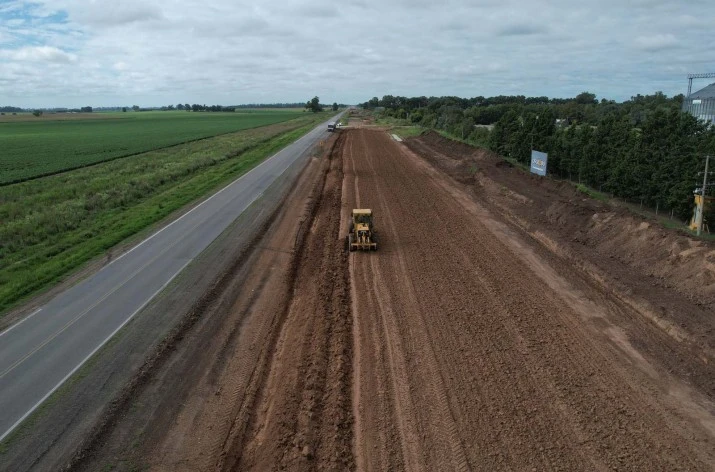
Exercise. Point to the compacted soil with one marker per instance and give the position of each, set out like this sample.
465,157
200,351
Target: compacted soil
482,335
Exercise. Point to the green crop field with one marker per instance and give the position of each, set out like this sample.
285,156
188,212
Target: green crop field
48,145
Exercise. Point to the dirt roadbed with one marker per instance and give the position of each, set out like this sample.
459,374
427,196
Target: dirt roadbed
491,352
477,337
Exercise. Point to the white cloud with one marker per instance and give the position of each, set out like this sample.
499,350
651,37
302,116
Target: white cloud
690,20
318,11
100,13
118,13
11,6
495,67
656,42
45,54
521,29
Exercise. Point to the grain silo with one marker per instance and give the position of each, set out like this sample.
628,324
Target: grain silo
701,104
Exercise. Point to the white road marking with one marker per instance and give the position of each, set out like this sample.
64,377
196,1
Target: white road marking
21,321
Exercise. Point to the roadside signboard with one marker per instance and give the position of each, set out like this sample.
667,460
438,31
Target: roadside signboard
538,162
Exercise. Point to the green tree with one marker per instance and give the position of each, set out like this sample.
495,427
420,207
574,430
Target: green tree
314,105
467,127
544,128
335,106
619,177
502,137
586,98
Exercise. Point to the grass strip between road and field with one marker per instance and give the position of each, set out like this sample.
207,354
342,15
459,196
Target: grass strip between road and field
51,227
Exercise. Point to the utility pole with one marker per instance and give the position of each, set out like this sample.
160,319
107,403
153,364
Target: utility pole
703,190
533,131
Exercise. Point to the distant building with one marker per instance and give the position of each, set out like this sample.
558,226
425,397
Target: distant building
701,104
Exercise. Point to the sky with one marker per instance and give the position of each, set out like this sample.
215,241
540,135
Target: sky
72,53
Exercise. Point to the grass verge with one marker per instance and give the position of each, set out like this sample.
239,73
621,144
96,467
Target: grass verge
407,131
596,195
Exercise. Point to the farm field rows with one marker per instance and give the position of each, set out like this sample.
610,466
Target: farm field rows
52,225
46,146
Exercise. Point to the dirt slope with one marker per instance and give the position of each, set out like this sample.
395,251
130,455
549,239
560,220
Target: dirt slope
665,276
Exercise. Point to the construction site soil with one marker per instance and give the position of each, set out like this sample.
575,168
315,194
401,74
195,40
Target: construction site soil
506,322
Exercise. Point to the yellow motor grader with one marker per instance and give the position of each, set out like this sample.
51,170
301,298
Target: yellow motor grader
362,235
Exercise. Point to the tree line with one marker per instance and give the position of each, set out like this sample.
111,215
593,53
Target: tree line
40,111
312,105
643,149
315,106
272,105
194,107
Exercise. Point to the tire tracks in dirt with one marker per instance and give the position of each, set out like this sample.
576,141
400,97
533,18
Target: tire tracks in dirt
302,417
527,385
443,435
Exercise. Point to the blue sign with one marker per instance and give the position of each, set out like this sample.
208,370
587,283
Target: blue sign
538,162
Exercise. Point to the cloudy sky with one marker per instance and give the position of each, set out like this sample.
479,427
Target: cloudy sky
156,52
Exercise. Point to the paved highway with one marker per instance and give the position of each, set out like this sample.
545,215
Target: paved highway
43,350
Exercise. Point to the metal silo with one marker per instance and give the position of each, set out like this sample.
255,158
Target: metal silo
701,104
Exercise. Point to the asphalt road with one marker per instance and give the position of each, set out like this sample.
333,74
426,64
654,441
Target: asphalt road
44,349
